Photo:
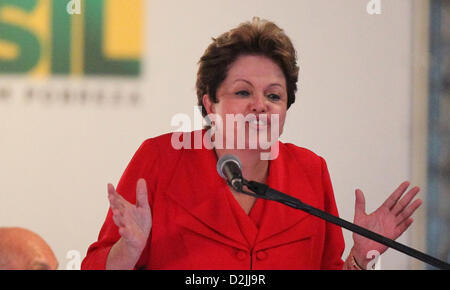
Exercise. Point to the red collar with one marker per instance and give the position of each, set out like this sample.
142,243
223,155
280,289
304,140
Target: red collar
203,194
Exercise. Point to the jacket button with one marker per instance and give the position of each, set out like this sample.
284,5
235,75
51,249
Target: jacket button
240,255
261,255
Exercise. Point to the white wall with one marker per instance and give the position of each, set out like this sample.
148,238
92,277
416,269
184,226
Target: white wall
353,108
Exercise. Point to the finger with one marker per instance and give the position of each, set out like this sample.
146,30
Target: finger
112,192
111,189
395,196
403,227
118,199
141,194
118,220
360,203
403,203
405,214
115,202
118,217
118,212
112,196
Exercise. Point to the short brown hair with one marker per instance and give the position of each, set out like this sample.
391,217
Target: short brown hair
256,37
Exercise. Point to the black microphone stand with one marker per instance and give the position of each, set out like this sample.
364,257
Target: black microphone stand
261,190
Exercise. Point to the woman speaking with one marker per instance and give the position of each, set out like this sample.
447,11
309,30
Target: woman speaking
172,210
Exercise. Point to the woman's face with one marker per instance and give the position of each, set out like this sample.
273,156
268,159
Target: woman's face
255,86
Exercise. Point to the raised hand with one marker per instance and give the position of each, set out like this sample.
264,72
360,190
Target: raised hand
134,221
391,220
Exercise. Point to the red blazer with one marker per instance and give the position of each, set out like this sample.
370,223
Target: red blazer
197,223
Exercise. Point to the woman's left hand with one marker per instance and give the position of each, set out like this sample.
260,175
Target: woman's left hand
391,220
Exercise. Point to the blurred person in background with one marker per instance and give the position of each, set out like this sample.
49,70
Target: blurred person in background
21,249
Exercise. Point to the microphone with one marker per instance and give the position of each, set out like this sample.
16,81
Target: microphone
229,168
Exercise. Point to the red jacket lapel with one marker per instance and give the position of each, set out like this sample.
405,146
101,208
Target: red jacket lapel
285,176
201,192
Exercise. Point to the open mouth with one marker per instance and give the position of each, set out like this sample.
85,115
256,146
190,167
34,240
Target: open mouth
258,124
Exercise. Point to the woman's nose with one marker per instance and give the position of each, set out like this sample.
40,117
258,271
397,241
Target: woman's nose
258,104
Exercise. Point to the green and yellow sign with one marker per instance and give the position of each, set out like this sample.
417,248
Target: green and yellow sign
40,38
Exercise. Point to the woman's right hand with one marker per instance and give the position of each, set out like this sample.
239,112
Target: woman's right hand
134,221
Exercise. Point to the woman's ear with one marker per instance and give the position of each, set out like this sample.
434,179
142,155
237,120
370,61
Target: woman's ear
208,104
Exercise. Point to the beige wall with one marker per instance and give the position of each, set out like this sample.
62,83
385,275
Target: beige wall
353,108
419,122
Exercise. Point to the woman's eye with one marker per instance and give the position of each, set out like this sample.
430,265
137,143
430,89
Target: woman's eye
274,97
243,93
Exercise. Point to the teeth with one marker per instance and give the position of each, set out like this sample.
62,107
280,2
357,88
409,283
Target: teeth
258,123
